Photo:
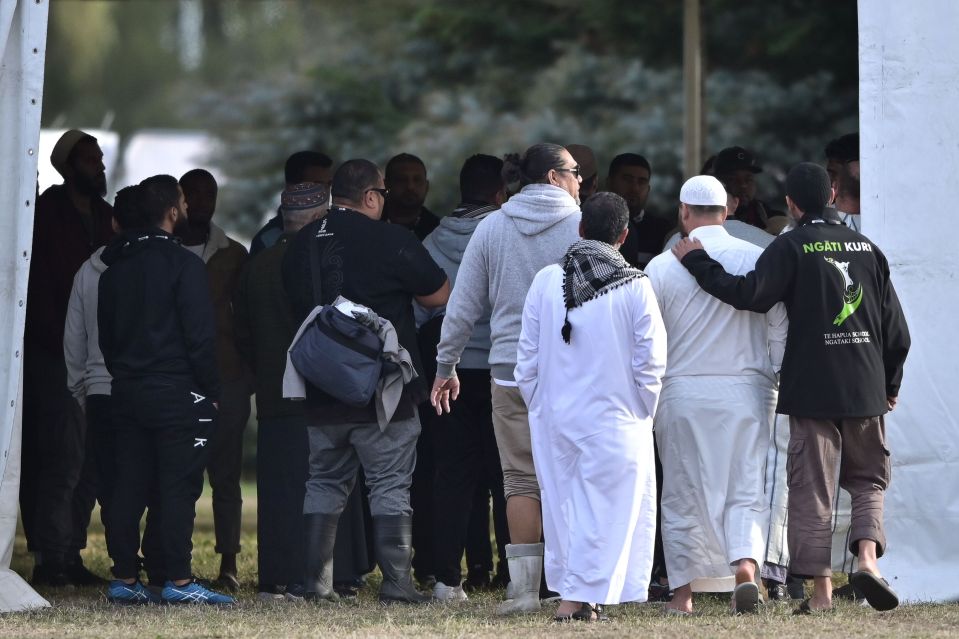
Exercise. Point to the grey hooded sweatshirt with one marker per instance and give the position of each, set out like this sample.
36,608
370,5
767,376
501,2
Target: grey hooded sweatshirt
532,230
86,372
447,244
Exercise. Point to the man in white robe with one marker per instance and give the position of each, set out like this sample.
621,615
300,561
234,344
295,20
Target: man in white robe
590,360
715,414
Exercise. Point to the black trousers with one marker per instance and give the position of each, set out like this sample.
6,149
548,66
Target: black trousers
102,453
352,557
479,551
466,457
57,490
421,495
226,464
659,555
282,466
163,439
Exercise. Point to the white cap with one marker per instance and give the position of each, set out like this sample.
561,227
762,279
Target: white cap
703,190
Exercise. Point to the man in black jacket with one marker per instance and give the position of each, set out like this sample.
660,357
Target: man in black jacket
841,372
157,335
407,186
383,267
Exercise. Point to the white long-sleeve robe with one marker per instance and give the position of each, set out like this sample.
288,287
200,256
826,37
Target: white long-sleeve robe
591,406
715,418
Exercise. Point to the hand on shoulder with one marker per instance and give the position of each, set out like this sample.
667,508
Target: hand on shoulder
686,246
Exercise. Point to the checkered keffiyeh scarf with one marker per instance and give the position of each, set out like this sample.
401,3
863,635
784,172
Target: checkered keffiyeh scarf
592,268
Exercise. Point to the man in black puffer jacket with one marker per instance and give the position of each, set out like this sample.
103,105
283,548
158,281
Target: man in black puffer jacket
845,351
158,340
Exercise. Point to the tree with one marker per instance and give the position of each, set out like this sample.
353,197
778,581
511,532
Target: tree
445,79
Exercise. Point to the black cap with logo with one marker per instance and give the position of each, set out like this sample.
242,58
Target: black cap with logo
734,158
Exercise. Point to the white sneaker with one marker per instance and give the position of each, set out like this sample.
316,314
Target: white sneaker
442,592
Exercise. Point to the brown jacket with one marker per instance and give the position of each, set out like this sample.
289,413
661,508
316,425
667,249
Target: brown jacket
224,260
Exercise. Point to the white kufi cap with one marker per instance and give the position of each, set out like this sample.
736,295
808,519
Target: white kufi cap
703,190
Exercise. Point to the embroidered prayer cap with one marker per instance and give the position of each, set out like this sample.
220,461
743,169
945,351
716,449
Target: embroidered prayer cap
703,190
585,158
63,147
304,196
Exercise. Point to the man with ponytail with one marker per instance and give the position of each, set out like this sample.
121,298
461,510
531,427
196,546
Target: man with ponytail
532,230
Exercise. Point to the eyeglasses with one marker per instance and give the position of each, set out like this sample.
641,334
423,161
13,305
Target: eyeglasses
577,171
383,192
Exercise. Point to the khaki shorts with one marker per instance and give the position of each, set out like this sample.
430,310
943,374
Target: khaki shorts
511,427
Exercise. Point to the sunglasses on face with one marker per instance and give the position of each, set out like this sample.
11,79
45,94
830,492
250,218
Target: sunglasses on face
576,171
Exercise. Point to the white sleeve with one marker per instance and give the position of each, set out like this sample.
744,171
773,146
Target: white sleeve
649,345
526,372
777,326
655,271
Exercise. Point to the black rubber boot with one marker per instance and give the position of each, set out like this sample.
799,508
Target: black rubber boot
392,543
320,529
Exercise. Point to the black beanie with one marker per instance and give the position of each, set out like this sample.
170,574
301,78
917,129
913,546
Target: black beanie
808,186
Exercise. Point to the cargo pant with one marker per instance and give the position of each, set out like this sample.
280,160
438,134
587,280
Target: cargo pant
816,447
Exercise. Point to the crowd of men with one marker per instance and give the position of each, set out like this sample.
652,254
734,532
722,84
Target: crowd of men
544,330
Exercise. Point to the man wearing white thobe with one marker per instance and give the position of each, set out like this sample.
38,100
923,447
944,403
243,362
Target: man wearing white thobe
590,360
715,414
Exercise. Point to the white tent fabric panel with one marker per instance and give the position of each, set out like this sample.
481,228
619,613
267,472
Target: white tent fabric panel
23,32
909,89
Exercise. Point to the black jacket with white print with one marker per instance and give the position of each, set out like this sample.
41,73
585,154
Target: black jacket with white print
847,339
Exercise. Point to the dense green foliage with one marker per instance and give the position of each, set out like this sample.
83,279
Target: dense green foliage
444,79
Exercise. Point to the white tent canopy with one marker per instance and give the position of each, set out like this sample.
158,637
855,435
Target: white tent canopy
908,91
909,67
23,35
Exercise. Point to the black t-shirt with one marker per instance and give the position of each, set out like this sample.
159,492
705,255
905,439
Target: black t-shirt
381,266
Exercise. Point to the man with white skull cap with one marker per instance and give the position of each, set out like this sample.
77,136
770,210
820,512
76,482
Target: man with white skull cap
715,412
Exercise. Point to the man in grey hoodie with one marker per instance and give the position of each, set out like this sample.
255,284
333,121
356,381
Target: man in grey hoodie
532,230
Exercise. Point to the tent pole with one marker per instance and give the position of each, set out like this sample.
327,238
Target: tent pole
692,88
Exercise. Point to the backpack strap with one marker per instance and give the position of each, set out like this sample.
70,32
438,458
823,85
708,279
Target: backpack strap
316,273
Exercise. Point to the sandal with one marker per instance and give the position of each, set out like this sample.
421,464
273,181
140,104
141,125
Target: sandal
585,613
573,616
746,598
875,589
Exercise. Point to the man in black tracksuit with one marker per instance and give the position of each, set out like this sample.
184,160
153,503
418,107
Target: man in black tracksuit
841,372
158,340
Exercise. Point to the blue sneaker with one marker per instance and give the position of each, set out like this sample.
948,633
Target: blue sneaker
135,594
194,593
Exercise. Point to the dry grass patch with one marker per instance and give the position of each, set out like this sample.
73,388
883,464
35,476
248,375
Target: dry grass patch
86,613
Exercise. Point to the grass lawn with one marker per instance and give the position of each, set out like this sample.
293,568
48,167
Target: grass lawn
86,613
